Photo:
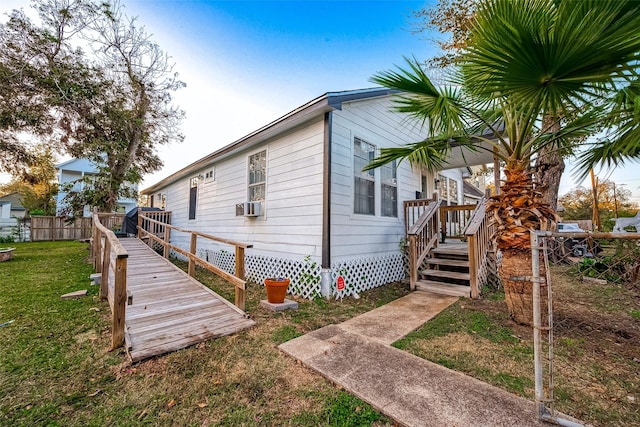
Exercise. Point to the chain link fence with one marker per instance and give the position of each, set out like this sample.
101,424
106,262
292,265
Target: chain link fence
587,326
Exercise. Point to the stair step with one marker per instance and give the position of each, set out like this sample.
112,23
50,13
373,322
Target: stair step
446,274
443,288
444,252
448,262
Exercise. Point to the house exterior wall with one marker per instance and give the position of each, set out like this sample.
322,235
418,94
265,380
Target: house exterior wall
287,237
356,235
290,223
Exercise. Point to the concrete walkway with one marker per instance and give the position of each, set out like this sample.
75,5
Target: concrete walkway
357,356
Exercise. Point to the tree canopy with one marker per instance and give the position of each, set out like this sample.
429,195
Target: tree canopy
92,83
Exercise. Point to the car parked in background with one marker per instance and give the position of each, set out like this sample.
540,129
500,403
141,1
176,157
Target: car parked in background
577,246
569,227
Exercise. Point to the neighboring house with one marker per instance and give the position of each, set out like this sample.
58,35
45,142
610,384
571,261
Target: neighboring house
12,206
295,190
11,210
73,171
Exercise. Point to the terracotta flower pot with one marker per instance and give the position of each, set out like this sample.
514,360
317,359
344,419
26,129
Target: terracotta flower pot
276,289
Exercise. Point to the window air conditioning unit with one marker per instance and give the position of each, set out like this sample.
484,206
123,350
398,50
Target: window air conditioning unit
252,208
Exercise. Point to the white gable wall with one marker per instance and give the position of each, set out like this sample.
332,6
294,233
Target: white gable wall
290,224
355,235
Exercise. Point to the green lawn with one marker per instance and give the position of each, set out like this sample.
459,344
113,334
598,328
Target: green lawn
55,367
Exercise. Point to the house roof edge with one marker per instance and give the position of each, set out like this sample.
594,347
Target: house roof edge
324,103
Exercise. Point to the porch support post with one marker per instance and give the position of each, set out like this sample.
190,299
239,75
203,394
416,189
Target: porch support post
325,282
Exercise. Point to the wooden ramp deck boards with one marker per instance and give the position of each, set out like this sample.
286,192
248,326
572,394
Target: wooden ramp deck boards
170,309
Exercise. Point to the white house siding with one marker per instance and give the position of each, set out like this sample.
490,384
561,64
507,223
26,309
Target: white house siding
290,225
365,249
355,235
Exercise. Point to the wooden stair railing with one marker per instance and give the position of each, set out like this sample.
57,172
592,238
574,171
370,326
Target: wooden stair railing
422,237
479,233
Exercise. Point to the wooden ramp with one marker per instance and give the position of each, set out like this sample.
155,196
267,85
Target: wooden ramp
171,310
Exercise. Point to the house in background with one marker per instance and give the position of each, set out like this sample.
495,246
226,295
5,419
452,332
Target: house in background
11,211
295,190
73,172
11,206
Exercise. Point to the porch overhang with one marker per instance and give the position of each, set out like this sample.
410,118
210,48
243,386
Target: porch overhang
460,157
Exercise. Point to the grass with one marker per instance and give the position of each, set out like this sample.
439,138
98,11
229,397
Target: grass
597,348
56,370
55,367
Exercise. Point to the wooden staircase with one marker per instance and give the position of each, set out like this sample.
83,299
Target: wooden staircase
447,271
462,263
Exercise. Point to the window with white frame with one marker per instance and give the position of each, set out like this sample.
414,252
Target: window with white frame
209,175
193,196
389,190
364,199
257,176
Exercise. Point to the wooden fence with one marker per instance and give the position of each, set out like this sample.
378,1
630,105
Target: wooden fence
46,228
159,232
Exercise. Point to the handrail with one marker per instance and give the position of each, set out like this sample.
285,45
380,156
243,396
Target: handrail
113,256
454,220
193,259
423,236
479,234
413,209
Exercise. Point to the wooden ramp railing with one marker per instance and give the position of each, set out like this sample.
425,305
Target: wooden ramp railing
160,232
479,233
422,237
109,255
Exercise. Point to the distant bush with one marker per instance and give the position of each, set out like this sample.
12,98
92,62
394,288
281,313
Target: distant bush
6,239
36,212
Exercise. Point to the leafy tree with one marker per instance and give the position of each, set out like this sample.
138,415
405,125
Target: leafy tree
37,184
612,198
105,85
453,17
524,60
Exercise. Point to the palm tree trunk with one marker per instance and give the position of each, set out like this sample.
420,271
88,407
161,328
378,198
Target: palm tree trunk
517,210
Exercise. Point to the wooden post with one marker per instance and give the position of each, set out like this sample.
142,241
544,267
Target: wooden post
98,251
192,249
94,248
473,267
167,232
119,303
443,223
106,261
240,293
413,260
139,223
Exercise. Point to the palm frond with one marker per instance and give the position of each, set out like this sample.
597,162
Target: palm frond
430,153
555,55
439,109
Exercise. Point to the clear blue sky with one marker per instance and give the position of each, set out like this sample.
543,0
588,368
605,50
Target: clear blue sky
247,63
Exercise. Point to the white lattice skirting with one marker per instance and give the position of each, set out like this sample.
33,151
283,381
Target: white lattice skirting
359,274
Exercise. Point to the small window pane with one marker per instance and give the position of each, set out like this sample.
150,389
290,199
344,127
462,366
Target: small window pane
389,190
364,197
257,176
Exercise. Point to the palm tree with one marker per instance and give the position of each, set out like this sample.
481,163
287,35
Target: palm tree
535,74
